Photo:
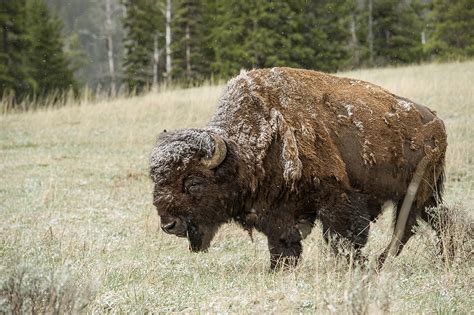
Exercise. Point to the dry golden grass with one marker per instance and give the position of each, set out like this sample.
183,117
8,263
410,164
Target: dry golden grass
79,233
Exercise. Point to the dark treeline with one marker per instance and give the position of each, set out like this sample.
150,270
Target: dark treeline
134,45
33,62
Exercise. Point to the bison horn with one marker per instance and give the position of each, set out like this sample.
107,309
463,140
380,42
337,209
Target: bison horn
220,151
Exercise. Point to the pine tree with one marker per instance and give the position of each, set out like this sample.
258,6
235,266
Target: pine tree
327,29
255,35
49,66
143,22
190,29
453,25
227,36
14,41
309,34
271,31
397,32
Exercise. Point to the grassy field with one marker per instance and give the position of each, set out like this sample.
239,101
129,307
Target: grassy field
78,231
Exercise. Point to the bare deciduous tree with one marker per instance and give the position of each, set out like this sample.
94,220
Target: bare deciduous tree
354,41
156,60
168,40
188,51
370,33
110,46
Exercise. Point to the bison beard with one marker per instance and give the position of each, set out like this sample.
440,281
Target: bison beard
199,238
288,147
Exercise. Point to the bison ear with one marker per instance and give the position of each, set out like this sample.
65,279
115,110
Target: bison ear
220,152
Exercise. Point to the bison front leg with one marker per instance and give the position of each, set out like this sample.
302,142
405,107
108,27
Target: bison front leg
348,221
355,238
285,248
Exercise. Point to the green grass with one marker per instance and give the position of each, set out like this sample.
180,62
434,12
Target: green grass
78,231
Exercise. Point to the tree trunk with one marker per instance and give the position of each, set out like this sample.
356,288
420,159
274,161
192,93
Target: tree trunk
188,52
370,33
354,42
168,40
110,46
156,61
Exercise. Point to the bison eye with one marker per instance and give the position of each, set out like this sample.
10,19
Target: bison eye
192,185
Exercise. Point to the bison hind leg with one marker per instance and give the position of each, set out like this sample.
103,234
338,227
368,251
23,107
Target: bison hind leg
407,233
439,218
425,211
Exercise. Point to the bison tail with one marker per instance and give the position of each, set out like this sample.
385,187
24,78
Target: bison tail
405,209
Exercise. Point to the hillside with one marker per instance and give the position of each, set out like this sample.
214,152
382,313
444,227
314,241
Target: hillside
77,223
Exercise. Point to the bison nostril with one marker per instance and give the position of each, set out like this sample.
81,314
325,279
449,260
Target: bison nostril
168,227
176,226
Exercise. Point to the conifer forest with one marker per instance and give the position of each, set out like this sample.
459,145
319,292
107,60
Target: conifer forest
52,47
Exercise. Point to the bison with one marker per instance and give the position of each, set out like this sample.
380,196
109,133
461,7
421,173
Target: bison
287,147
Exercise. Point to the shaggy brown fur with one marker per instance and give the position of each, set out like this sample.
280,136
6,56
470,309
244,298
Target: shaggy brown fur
301,145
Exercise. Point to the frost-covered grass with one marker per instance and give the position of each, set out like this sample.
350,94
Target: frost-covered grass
78,230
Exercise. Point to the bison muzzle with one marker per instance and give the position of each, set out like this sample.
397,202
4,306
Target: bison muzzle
287,147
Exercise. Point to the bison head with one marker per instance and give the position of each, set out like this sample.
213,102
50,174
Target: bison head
194,173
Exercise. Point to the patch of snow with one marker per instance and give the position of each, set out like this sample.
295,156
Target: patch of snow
354,82
359,125
349,109
367,155
175,150
407,106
